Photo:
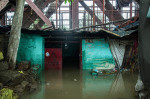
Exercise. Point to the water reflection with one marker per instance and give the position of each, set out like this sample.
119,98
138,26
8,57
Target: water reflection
77,84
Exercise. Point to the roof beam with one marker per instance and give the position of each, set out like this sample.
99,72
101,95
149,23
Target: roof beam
39,12
110,11
29,16
3,3
51,10
90,12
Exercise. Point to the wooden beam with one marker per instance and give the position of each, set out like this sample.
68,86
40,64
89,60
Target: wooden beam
39,12
30,16
51,10
90,12
3,3
110,12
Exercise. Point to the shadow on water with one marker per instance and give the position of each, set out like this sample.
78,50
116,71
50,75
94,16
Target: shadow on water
78,84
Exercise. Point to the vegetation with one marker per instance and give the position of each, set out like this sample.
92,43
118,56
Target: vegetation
68,1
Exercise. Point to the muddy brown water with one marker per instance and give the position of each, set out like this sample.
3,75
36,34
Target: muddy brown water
80,84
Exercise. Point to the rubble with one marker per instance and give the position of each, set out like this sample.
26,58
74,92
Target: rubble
32,87
100,72
24,83
19,81
10,77
24,65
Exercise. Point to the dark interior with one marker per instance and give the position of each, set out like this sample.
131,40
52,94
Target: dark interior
70,53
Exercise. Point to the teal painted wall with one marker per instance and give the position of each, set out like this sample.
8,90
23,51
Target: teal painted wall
96,54
31,48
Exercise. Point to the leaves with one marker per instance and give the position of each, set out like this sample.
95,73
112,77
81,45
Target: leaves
68,1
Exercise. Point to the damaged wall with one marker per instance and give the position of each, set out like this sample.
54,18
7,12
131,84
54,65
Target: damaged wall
31,48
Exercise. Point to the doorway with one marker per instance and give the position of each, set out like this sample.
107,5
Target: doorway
71,55
62,55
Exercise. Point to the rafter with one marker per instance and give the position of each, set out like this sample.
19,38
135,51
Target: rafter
30,16
90,11
39,13
51,10
110,10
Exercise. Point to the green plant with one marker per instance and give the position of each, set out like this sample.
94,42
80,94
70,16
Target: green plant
68,1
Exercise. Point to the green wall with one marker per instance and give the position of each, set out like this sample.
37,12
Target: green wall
31,48
96,54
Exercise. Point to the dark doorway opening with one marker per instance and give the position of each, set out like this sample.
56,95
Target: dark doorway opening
71,55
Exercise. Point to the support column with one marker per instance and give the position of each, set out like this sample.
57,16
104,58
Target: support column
75,16
70,16
56,16
103,10
94,14
3,20
131,10
84,19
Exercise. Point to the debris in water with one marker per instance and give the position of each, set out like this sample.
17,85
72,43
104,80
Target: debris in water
75,80
48,84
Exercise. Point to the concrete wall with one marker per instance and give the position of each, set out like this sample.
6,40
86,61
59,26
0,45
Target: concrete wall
31,48
96,54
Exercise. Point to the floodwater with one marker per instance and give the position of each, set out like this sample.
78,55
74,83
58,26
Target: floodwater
80,84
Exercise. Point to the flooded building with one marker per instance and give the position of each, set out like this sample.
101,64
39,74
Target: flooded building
81,49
